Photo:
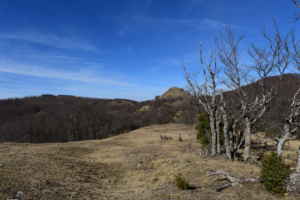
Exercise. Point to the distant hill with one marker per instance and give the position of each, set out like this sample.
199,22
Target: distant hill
62,118
174,92
285,87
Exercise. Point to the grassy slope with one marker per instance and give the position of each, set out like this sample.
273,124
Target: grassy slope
131,166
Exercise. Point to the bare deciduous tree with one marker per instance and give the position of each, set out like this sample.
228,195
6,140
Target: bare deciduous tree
224,70
206,95
292,123
251,106
285,53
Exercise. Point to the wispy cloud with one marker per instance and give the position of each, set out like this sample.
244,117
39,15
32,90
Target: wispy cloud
175,62
82,75
52,40
215,24
134,93
197,24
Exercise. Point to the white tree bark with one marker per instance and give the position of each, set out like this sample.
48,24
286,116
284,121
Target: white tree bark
226,133
247,134
213,135
291,125
237,124
298,162
281,141
207,95
293,184
218,131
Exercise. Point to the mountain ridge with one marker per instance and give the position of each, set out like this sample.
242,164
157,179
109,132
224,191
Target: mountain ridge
62,118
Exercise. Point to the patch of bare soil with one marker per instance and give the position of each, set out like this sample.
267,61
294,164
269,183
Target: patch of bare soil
137,165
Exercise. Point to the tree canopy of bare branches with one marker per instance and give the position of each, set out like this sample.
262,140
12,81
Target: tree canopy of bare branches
297,4
234,119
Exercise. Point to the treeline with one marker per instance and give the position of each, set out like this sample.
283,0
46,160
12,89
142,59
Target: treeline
61,118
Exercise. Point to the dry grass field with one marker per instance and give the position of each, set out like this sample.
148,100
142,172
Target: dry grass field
136,165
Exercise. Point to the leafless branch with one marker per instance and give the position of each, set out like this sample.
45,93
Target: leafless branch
292,123
277,54
207,94
232,180
297,4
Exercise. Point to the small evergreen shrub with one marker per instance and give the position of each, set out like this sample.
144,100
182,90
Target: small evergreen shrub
182,183
203,129
274,173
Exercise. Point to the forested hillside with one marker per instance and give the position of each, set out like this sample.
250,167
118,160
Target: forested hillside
49,118
62,118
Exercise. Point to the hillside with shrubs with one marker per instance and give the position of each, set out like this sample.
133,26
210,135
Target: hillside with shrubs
62,118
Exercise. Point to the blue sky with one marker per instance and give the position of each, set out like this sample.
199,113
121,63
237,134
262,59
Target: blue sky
117,48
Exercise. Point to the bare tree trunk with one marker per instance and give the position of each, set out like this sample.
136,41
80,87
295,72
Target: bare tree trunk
292,124
226,132
298,162
218,141
234,139
226,141
247,133
213,116
293,184
213,135
218,132
284,139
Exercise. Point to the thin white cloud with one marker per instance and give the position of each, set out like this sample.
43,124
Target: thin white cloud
198,24
215,24
176,62
96,85
134,93
83,75
51,40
